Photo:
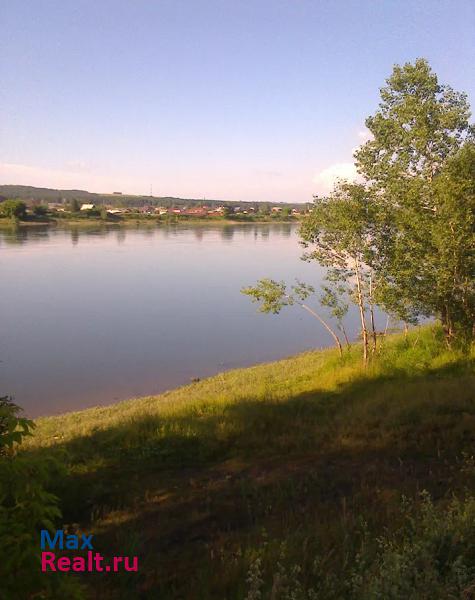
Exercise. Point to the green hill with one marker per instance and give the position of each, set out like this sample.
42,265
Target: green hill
35,194
285,480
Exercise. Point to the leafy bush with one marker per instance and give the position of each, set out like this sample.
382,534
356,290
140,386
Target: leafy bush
432,557
13,209
40,210
25,507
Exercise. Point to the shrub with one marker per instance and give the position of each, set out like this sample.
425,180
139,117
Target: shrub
13,209
25,507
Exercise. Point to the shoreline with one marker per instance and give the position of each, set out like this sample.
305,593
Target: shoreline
71,223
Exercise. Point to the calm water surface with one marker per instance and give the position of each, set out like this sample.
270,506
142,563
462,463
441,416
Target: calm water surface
95,315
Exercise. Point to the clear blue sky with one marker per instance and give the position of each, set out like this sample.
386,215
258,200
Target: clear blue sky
234,99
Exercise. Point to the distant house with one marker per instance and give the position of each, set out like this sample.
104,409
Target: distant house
276,209
88,206
161,210
197,211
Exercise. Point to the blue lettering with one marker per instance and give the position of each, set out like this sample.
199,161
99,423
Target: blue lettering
46,539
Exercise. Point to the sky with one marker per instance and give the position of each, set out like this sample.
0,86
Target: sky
260,100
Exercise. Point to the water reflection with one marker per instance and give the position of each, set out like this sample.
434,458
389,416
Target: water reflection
130,311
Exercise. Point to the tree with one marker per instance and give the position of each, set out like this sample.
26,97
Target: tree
332,297
286,212
227,211
339,235
74,205
419,170
13,209
274,296
40,210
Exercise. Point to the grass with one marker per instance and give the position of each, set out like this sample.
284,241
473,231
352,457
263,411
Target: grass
269,480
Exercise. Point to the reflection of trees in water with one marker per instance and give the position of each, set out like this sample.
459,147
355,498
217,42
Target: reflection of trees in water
147,232
198,233
265,232
121,235
15,236
22,235
227,232
286,230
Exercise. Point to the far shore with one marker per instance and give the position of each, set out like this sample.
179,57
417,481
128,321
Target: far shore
134,222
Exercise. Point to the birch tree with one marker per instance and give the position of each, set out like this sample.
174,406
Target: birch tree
338,234
419,169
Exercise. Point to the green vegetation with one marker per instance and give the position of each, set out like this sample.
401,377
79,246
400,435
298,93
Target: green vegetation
72,200
403,239
25,507
12,209
288,477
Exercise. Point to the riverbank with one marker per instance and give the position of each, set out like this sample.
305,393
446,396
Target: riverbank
280,476
140,221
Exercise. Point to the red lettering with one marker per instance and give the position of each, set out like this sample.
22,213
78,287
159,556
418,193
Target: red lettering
47,559
135,564
64,563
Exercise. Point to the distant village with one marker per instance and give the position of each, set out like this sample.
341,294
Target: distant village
115,205
192,211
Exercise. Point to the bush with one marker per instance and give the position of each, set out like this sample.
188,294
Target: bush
13,209
40,211
25,507
432,557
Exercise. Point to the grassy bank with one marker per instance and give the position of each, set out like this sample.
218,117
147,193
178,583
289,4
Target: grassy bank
278,479
138,220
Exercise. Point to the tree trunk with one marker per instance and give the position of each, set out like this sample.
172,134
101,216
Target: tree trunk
371,312
364,330
347,341
327,327
447,324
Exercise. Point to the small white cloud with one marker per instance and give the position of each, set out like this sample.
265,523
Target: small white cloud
364,135
327,178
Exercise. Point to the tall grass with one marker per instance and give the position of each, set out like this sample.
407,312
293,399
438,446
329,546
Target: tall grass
296,463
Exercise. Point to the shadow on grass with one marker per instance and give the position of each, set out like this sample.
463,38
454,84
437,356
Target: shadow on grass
189,492
402,420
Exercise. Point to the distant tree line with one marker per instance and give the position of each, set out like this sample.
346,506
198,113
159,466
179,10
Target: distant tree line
33,194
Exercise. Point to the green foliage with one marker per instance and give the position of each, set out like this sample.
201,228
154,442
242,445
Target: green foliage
271,294
432,556
74,205
419,124
419,168
13,209
406,235
25,507
40,210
